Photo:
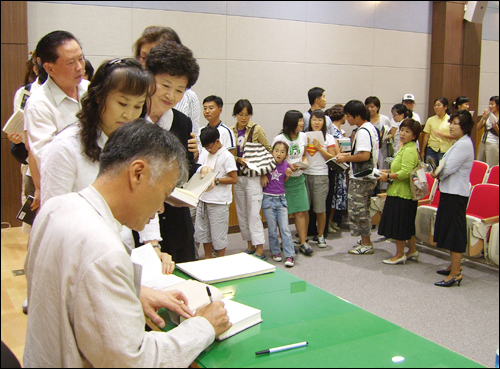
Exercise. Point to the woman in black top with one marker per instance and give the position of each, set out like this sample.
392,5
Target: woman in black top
175,70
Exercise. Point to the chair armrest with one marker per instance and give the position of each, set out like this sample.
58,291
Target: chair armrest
490,220
424,202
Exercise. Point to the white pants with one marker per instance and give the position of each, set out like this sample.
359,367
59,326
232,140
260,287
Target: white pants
491,153
248,202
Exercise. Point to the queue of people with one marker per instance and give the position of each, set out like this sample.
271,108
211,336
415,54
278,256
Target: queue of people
102,186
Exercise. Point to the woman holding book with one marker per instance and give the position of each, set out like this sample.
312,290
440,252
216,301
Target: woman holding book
174,69
488,149
316,175
398,217
295,187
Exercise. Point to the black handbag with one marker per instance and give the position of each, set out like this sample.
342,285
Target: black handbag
363,168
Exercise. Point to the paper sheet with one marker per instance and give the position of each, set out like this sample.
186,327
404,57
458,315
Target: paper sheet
152,275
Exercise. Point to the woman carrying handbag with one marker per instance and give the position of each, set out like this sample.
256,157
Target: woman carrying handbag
398,217
248,191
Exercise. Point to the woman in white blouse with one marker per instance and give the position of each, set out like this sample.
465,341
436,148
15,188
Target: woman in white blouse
450,229
117,94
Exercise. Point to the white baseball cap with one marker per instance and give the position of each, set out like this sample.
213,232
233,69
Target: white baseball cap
408,97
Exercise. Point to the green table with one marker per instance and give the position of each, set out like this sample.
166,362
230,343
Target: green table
339,333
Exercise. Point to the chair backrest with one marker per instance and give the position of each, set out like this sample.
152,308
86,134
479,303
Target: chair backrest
432,188
479,170
493,175
483,201
437,196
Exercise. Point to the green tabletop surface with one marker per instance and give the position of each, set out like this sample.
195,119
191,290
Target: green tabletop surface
339,334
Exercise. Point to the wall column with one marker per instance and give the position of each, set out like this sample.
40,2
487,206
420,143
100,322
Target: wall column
455,56
14,57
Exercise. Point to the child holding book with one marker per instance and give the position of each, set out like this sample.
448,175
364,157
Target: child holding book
275,207
212,214
317,174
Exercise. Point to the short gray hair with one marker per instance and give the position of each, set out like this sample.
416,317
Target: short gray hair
142,139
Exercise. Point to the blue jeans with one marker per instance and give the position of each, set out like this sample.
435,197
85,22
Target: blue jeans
436,155
276,208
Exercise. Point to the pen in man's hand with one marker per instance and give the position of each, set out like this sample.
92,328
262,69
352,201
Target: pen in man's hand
209,294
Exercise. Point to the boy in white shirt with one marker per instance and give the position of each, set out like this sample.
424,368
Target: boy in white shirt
212,214
365,145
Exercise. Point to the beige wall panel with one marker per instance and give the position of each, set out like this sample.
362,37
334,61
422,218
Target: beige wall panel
402,49
489,77
341,82
101,30
212,81
390,84
266,82
489,57
265,39
327,43
205,34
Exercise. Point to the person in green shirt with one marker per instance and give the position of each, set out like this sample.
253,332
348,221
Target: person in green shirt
398,217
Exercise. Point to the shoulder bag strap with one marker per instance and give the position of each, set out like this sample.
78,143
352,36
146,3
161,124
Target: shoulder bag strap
371,143
250,134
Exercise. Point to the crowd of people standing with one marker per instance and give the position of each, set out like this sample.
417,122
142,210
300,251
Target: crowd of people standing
70,121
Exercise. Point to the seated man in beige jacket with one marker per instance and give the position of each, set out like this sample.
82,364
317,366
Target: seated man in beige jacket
86,303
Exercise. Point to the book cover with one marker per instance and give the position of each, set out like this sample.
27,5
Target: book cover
15,123
338,167
241,316
344,144
318,135
439,167
190,193
226,268
301,165
26,214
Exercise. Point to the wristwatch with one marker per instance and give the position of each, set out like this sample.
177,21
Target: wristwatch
157,246
217,181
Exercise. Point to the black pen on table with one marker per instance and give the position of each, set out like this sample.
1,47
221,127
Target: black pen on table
209,294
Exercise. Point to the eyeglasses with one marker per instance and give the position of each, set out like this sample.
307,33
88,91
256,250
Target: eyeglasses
244,116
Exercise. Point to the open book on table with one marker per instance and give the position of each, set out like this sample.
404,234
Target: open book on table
190,193
242,316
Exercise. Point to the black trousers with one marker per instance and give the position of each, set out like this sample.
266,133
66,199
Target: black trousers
177,231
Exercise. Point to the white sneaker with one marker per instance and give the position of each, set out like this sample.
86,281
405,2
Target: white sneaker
321,242
289,262
362,249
